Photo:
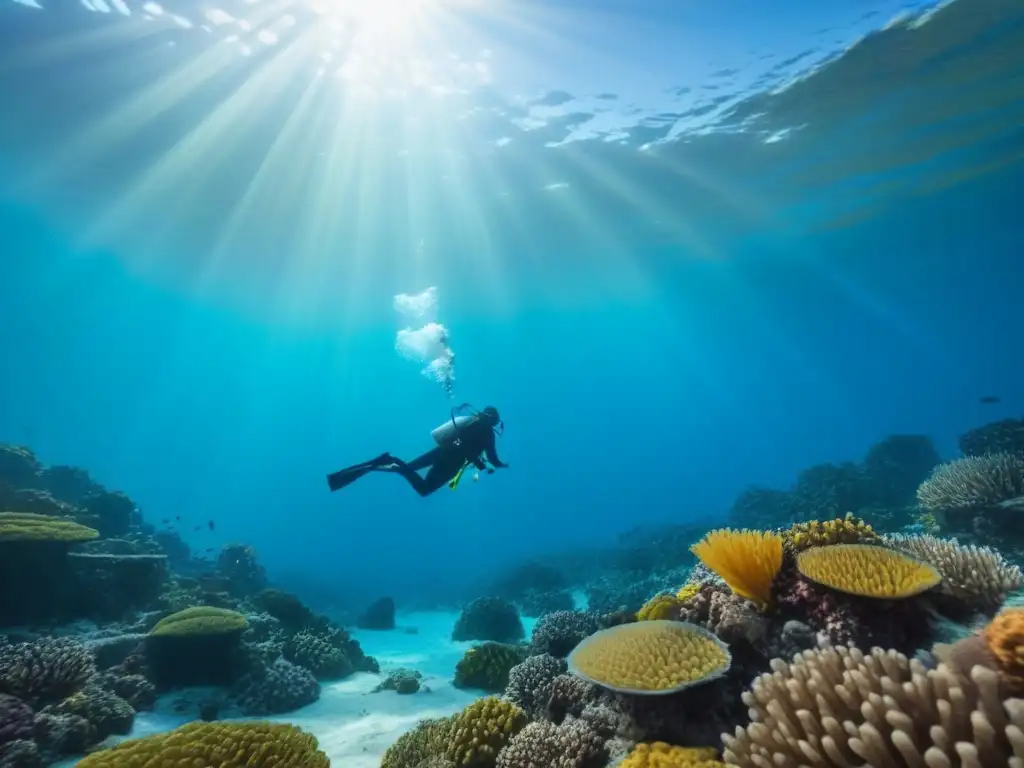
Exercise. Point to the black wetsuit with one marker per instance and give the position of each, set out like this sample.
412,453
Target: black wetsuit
473,442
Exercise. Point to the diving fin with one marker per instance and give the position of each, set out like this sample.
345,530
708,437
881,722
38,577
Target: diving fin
345,477
454,482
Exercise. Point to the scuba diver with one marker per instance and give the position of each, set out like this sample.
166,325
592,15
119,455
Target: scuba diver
462,441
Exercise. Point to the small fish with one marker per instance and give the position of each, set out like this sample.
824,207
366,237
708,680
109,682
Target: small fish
210,524
989,399
476,476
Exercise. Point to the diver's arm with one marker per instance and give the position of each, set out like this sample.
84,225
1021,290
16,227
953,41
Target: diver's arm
478,463
491,452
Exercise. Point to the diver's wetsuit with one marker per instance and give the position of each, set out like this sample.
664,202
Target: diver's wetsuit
445,461
473,442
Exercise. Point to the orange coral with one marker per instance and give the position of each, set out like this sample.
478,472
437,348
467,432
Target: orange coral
1004,637
748,561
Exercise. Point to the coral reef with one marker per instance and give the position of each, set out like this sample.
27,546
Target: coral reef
403,681
973,482
196,646
650,657
748,561
318,655
489,618
559,632
216,745
531,682
487,666
275,688
867,571
44,671
662,755
1004,436
843,530
570,745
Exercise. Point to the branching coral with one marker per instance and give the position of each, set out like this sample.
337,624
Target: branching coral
650,657
977,577
842,530
531,682
748,561
44,671
867,571
107,713
216,745
276,688
570,745
487,666
311,651
559,632
842,708
973,482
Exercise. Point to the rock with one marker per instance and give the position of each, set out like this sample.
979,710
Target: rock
380,615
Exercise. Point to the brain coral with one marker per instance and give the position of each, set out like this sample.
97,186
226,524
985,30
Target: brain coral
867,571
661,755
24,526
216,745
650,657
842,708
748,561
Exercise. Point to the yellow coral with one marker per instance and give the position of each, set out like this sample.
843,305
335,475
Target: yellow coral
25,526
658,607
650,657
480,731
842,530
486,666
1004,637
748,561
427,741
867,571
216,745
688,591
661,755
200,620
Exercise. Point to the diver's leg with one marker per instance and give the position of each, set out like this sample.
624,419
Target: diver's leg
338,480
442,469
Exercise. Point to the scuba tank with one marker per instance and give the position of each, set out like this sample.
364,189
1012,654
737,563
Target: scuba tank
448,432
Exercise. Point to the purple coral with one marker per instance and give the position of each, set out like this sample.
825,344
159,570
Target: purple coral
530,683
15,719
44,670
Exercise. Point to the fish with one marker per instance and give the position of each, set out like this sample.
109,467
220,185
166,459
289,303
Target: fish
210,524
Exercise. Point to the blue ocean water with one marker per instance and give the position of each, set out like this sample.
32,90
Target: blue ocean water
684,248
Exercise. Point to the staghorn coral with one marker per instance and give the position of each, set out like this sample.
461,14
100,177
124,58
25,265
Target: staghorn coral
662,755
25,526
815,533
660,607
559,632
748,561
480,731
1004,638
573,744
650,657
316,654
973,482
867,571
530,683
216,745
489,618
487,666
977,577
45,670
843,708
